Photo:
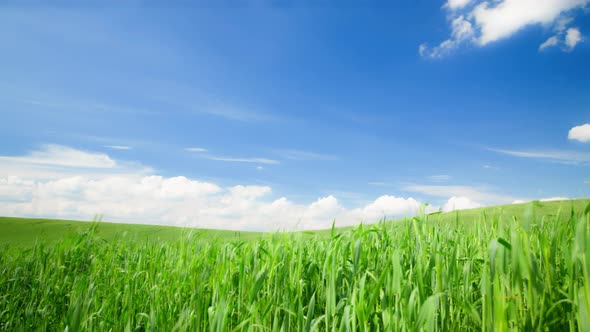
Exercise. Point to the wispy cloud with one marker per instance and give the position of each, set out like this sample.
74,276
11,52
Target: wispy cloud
235,113
58,155
558,156
243,160
195,150
293,154
118,147
54,161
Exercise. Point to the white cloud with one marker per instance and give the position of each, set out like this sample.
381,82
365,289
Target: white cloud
558,156
243,160
58,155
557,198
509,16
548,199
55,161
129,192
195,149
388,206
562,24
567,38
461,30
457,4
484,22
551,41
572,38
459,203
422,49
580,133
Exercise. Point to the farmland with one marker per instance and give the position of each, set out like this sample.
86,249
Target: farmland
520,267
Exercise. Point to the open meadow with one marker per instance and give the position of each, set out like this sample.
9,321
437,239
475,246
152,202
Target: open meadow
523,267
286,166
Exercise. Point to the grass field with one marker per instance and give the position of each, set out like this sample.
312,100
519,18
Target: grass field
521,267
25,232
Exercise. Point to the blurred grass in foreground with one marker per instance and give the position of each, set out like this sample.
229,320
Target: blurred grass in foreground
482,270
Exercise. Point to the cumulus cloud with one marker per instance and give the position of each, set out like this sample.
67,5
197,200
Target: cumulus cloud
580,133
460,203
457,4
129,192
389,206
484,22
184,202
572,38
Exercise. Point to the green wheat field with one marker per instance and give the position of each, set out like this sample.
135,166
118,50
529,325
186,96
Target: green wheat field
511,268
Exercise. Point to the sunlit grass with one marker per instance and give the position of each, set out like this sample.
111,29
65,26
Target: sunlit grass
497,273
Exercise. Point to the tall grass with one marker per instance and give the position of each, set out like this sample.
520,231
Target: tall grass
422,274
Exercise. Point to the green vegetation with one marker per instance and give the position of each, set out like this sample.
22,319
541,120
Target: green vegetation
25,232
525,269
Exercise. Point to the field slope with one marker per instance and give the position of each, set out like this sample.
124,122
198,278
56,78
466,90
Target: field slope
513,268
26,231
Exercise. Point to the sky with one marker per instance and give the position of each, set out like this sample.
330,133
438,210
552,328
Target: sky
266,115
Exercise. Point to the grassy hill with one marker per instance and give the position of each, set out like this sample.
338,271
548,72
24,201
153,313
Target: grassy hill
511,268
25,231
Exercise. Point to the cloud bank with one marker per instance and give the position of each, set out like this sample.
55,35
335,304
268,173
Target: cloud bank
480,23
63,182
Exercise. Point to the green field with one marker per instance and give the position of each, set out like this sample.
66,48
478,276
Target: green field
519,267
25,232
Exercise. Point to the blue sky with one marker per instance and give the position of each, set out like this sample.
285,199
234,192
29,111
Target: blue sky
336,103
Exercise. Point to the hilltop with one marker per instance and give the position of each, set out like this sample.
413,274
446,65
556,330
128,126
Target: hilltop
25,231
